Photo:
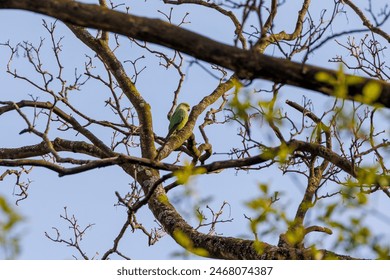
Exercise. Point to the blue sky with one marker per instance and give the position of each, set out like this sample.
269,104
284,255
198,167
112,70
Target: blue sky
91,196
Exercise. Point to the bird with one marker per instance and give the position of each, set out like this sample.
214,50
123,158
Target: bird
179,118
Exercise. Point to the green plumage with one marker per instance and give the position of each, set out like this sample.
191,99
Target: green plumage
179,118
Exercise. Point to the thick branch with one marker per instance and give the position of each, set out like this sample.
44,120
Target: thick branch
295,145
60,145
178,139
218,8
223,247
20,156
63,171
10,106
116,68
246,64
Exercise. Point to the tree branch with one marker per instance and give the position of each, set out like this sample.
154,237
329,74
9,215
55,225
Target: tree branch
366,22
246,64
116,68
62,171
175,141
10,106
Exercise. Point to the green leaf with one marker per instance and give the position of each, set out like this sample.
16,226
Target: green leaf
199,216
163,199
362,198
259,203
183,175
367,175
13,217
329,210
9,242
295,236
284,152
324,77
183,240
371,92
241,107
259,246
264,188
354,80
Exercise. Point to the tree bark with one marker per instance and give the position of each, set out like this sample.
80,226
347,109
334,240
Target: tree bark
246,64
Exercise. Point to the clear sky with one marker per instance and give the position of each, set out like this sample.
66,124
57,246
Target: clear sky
90,196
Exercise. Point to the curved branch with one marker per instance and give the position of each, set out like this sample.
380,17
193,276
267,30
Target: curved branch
219,9
116,68
366,22
62,171
246,64
58,144
142,107
265,41
302,146
317,229
19,157
176,140
10,106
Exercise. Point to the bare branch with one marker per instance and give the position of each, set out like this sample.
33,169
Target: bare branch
78,234
366,22
246,64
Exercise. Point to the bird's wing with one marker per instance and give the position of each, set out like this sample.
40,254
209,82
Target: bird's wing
176,119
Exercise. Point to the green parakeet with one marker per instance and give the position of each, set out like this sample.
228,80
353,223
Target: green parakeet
179,118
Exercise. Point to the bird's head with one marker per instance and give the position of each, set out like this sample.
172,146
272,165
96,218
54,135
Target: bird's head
184,106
